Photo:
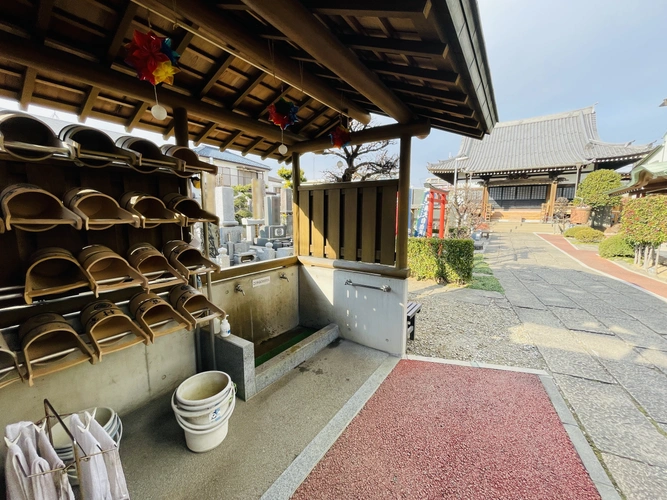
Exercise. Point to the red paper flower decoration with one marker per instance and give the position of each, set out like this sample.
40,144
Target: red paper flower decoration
340,137
283,113
145,54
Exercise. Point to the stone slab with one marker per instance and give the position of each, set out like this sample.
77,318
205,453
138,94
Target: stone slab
577,364
655,320
655,358
612,421
636,333
236,357
577,319
638,481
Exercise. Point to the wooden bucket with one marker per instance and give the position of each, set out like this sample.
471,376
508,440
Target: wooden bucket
150,210
154,266
189,209
50,345
93,148
54,271
148,155
187,259
97,210
109,329
26,138
189,159
194,305
109,270
155,316
30,208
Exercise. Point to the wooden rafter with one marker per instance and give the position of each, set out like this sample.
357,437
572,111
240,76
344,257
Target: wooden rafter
230,140
169,131
368,8
43,17
250,86
123,25
250,147
214,76
316,115
395,46
446,118
428,75
185,40
205,133
270,151
327,128
88,104
452,96
29,80
452,109
139,111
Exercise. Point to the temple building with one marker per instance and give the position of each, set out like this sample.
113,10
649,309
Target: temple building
525,165
648,176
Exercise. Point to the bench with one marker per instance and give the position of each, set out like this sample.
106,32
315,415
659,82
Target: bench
413,309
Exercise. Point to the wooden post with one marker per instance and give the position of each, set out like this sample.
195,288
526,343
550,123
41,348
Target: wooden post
576,183
443,205
181,126
296,178
552,198
485,200
403,202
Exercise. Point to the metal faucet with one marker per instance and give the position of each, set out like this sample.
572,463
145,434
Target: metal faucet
238,288
283,276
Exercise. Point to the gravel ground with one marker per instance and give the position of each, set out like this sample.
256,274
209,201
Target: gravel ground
469,325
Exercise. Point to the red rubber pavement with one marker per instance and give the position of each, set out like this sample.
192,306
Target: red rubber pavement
591,259
445,431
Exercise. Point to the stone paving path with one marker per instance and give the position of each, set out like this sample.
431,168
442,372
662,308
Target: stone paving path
605,343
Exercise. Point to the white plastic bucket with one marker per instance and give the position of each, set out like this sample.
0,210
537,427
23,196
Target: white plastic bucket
202,406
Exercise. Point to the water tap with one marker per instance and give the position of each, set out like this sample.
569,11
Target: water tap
283,276
238,288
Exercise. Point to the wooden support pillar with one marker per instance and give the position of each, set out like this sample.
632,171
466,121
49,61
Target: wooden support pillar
485,200
429,217
296,178
403,202
576,183
443,206
552,198
181,126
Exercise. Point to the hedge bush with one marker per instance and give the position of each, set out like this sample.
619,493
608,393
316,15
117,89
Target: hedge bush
644,220
594,188
616,246
589,235
573,231
449,261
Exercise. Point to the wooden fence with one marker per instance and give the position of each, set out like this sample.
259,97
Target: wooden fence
349,221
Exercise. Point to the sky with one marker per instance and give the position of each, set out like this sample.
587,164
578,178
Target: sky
546,57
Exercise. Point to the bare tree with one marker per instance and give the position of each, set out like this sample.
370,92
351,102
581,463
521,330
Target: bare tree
465,210
363,162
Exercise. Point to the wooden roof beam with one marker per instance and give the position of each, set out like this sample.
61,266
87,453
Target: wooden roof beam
214,25
88,104
452,96
434,115
452,109
185,40
123,25
428,75
369,8
43,16
270,151
297,22
420,129
316,115
250,86
215,75
206,132
27,53
230,140
250,147
29,80
395,46
139,111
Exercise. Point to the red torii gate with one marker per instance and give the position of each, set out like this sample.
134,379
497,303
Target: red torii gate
439,196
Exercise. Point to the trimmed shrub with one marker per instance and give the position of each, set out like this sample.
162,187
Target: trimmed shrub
594,188
644,220
616,246
446,261
590,235
574,231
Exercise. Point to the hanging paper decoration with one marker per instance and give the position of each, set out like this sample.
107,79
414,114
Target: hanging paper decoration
340,137
283,113
155,62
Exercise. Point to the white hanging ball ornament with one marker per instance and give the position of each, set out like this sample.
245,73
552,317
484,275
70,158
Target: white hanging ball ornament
158,112
282,149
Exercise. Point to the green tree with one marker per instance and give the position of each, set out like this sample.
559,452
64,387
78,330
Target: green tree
286,173
644,223
594,188
242,200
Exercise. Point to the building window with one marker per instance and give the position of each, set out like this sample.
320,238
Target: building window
509,193
565,192
226,176
523,192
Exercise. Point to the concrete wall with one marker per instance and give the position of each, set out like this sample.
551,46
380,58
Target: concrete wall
369,317
124,381
270,305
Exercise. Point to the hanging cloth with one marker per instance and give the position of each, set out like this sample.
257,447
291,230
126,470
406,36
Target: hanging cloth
18,486
92,473
114,468
46,451
43,485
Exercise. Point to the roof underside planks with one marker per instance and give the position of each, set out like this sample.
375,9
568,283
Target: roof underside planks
555,142
226,81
